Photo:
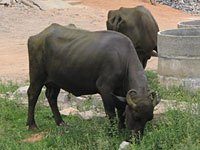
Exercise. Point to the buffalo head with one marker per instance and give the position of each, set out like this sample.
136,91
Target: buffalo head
139,110
139,25
115,23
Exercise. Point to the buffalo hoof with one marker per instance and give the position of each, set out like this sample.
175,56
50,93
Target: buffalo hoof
63,124
32,127
121,127
63,128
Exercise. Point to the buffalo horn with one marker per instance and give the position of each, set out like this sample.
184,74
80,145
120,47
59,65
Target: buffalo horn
130,98
120,98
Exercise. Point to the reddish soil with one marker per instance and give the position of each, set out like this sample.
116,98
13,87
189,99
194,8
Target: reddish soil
165,16
34,138
17,25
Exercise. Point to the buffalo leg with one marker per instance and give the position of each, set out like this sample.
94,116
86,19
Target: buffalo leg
52,94
121,113
33,93
104,86
109,106
108,102
110,111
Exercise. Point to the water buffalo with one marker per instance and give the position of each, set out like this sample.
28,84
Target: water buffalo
83,62
139,25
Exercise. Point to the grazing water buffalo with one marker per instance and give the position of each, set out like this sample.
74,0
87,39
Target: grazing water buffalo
139,25
83,62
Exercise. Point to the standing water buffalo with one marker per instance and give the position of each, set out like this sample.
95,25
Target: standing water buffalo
83,62
139,25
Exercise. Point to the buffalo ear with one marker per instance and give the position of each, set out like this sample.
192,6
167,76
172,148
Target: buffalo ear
130,97
154,97
114,23
111,13
120,23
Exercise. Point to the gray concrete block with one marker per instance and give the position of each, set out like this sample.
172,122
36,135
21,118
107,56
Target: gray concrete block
179,58
189,24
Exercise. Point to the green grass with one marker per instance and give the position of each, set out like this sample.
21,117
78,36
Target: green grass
7,87
173,93
176,130
173,131
82,134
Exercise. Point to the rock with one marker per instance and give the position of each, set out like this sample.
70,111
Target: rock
63,96
90,114
84,114
91,105
21,92
81,98
190,6
87,114
124,145
166,105
69,111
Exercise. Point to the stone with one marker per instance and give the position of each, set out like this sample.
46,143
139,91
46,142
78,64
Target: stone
90,114
190,6
166,105
124,145
21,92
69,111
63,96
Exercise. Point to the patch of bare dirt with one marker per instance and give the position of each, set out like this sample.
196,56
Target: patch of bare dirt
17,24
34,138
